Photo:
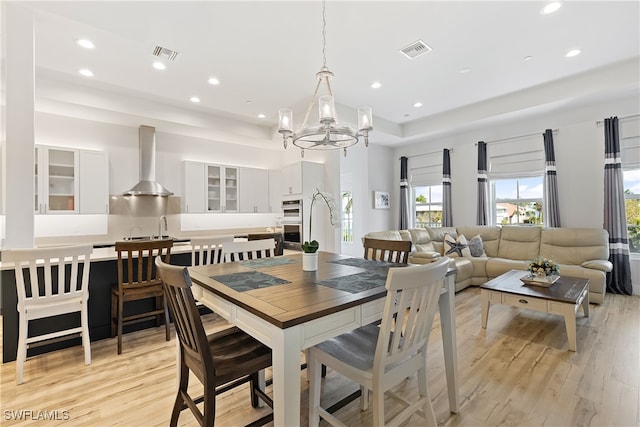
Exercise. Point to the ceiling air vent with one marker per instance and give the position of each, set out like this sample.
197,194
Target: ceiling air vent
166,53
415,49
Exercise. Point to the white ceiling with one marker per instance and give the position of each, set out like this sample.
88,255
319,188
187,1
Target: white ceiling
266,54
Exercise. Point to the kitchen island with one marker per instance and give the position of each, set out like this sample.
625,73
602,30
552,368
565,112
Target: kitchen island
103,275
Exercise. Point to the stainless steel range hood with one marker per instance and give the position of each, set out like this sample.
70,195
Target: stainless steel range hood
148,186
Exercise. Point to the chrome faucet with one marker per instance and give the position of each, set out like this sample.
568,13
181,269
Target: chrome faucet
163,220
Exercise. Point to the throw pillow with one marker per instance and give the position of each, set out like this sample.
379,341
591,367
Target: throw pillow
456,247
476,247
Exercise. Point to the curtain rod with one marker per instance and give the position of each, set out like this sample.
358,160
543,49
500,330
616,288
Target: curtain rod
429,153
600,122
518,137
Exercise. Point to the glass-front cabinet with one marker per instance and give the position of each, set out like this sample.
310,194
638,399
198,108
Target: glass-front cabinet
56,180
222,188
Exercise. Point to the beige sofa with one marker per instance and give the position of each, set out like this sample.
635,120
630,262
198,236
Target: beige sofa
580,252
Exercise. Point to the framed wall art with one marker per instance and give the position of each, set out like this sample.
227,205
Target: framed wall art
381,200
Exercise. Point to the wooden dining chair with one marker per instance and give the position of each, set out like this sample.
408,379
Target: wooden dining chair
252,249
221,361
378,358
50,282
396,251
137,280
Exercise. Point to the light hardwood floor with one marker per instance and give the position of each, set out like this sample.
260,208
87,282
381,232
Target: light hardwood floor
517,372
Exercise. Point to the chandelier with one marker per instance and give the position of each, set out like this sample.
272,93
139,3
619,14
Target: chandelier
328,134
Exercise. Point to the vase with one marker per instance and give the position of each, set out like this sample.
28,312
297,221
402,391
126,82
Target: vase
310,261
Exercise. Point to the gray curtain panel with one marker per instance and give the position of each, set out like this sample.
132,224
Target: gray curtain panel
551,208
615,218
447,215
404,193
482,217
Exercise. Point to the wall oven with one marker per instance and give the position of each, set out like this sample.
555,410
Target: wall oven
292,223
292,210
292,236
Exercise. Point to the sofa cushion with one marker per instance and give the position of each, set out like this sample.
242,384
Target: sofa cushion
456,247
422,240
389,235
519,242
464,269
498,266
574,246
490,235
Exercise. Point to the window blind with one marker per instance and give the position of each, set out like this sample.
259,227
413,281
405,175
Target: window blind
426,170
630,144
516,158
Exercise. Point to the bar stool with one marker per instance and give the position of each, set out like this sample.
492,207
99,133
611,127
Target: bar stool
137,280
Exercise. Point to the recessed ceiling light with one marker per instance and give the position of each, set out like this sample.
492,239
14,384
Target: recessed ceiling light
418,104
87,44
572,53
159,65
194,99
213,81
376,85
550,7
261,116
86,72
527,58
465,70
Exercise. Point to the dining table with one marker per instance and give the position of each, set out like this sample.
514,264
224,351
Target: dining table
289,309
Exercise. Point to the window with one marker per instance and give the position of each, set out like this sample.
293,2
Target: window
631,183
518,200
428,205
346,208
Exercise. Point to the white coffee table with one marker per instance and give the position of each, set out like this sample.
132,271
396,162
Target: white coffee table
563,298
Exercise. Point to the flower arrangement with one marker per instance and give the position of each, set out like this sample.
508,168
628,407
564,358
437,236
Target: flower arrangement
312,246
543,267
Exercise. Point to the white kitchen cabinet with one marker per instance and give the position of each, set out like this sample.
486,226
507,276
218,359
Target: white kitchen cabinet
222,188
254,194
301,178
56,180
94,182
71,181
292,179
194,187
275,191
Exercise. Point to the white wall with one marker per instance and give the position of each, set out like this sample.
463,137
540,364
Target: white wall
364,171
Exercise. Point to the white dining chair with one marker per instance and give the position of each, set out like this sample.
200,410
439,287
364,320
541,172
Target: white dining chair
251,249
208,249
50,282
379,357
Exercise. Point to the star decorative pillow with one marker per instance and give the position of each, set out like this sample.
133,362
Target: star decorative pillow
456,247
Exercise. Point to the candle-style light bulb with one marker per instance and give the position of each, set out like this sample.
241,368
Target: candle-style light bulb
285,120
327,109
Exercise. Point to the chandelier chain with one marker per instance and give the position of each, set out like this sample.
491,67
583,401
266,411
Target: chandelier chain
324,34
